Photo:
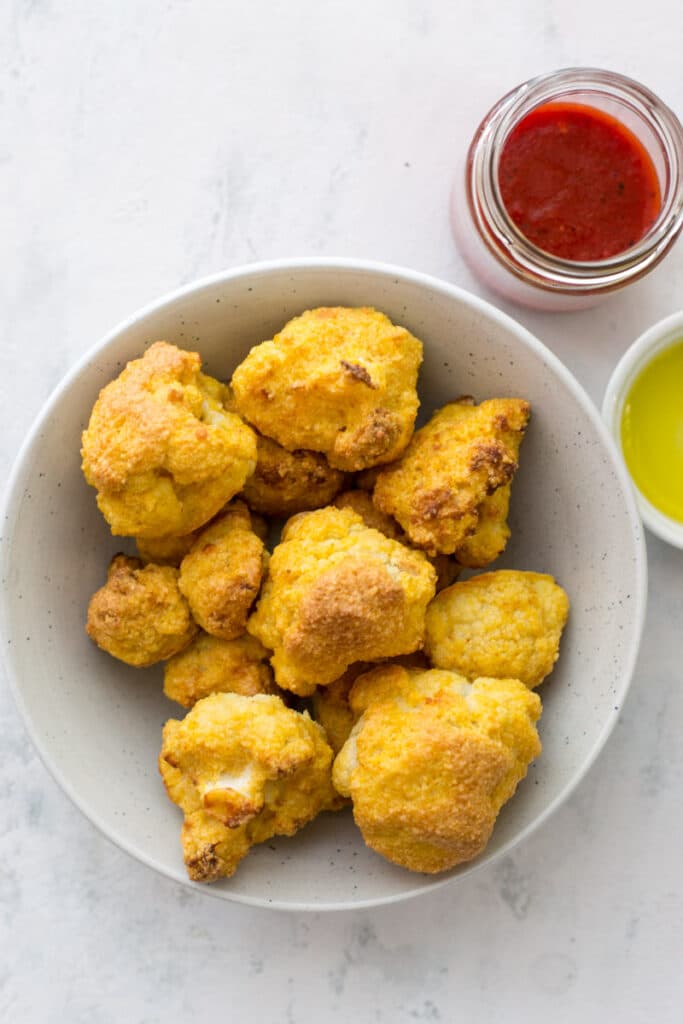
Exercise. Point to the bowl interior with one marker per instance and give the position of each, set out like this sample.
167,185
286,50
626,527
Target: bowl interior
97,722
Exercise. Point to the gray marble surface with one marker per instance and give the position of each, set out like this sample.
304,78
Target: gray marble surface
144,145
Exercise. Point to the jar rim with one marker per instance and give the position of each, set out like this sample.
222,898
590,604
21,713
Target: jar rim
502,236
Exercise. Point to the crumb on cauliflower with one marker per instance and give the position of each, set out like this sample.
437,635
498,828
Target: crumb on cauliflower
139,616
463,455
431,761
242,770
504,623
161,449
336,593
337,380
221,574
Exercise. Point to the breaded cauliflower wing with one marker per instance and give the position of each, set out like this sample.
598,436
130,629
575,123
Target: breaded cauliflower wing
161,450
285,483
501,624
242,769
221,574
334,380
432,760
359,501
139,616
336,593
454,463
210,665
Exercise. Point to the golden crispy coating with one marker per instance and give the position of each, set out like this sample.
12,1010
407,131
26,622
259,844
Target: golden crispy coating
491,535
285,483
221,574
462,456
139,615
500,624
165,550
161,449
242,769
335,380
336,593
432,760
210,665
447,568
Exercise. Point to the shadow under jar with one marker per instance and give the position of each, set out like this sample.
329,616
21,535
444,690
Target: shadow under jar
486,219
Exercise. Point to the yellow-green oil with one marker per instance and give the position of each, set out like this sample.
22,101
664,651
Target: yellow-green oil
652,431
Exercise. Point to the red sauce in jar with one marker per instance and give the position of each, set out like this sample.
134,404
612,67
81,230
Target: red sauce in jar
577,182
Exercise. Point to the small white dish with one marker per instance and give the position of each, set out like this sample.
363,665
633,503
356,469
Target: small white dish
97,723
635,359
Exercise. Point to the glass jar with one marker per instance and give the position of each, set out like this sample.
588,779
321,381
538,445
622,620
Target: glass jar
502,256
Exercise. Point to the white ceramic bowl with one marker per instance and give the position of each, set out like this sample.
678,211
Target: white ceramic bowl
635,359
97,723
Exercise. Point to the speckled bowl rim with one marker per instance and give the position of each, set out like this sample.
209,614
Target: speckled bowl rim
636,357
524,337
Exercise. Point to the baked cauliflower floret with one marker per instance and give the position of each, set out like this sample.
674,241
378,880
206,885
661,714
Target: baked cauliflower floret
221,574
334,380
336,593
447,568
139,616
161,449
504,623
210,665
285,483
431,761
453,464
242,769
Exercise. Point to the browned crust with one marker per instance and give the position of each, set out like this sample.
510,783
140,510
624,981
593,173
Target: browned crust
495,459
285,482
379,434
347,610
359,373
